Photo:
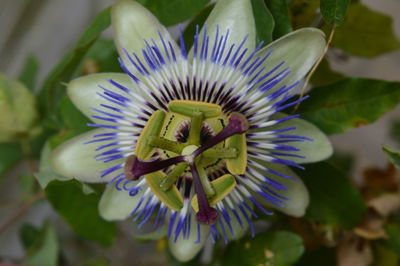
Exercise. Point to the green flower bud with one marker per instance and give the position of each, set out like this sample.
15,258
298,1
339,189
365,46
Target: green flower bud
19,114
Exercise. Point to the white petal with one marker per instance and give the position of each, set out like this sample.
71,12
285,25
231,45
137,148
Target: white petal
186,249
319,149
84,91
235,15
299,50
297,192
238,230
132,24
118,204
75,159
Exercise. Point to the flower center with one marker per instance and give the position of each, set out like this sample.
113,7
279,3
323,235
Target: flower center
159,136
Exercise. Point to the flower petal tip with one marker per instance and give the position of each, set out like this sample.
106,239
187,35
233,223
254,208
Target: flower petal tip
185,249
132,23
75,159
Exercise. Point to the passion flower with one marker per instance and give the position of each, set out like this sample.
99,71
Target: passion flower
194,140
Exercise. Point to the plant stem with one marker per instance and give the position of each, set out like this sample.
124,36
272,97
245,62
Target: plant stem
314,68
24,208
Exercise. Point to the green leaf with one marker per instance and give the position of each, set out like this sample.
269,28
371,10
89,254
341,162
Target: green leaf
72,118
101,22
45,250
80,210
333,199
304,13
278,248
10,154
349,103
334,11
29,72
345,162
36,144
171,12
393,155
324,75
199,19
264,21
384,256
53,90
366,33
104,55
393,242
280,12
28,235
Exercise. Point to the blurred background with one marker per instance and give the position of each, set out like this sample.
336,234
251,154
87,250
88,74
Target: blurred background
47,29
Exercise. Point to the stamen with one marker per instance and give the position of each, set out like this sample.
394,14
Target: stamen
173,175
135,168
166,144
206,214
205,182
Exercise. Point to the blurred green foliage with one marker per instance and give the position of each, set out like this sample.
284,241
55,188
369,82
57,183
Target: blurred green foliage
280,248
349,103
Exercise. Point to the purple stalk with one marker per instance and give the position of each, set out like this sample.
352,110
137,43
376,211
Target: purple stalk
135,168
237,125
